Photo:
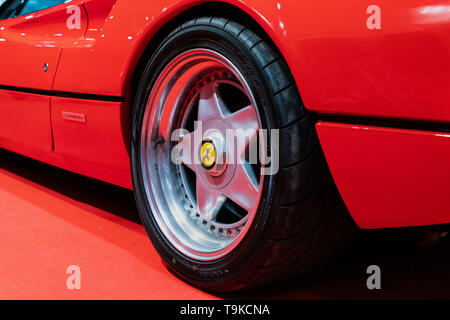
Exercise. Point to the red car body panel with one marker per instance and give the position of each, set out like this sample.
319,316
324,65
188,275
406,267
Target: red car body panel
95,148
84,122
30,41
400,71
389,177
25,121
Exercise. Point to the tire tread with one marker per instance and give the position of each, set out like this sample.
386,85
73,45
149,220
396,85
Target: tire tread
312,223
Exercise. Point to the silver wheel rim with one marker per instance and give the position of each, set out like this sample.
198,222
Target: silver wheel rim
203,211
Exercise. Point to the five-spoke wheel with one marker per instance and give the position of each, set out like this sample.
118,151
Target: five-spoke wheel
204,187
216,108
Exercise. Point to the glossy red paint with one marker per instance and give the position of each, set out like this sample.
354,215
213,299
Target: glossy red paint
341,67
28,42
119,177
25,121
27,45
399,71
90,131
389,177
95,148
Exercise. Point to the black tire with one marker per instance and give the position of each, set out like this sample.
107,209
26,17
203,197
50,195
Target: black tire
301,222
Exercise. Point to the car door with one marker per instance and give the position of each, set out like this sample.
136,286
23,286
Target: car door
33,34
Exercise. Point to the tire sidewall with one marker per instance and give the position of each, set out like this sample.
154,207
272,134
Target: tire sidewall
219,273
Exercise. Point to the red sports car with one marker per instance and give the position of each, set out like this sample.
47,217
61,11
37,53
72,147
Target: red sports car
255,134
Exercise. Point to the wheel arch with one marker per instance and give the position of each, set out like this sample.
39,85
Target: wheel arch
238,11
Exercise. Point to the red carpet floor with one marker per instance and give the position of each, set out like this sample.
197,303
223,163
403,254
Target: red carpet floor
43,232
51,219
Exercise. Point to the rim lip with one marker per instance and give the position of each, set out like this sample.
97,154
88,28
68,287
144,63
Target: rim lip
152,179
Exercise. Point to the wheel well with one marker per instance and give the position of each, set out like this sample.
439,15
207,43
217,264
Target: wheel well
217,9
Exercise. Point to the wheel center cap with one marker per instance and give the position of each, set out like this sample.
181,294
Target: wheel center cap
213,154
208,155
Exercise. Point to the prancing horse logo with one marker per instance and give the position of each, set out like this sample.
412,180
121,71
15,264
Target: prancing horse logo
208,154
